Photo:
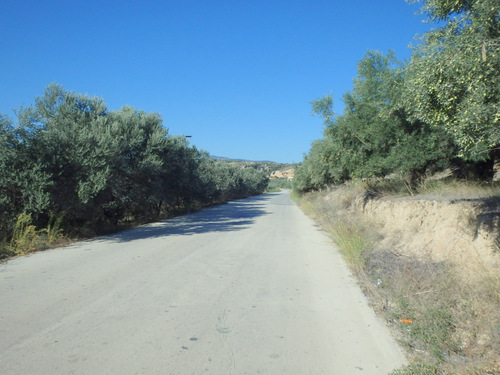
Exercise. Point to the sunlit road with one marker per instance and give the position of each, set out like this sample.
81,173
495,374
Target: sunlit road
249,287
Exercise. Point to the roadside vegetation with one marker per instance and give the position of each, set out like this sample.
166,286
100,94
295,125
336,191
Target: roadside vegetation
279,183
71,167
404,124
447,323
439,109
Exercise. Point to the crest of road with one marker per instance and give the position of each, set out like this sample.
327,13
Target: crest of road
247,287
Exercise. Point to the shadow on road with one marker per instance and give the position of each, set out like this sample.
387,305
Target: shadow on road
232,216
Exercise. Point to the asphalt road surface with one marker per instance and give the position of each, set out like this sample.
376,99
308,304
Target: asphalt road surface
248,287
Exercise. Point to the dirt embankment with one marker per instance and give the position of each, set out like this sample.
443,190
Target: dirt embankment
465,232
429,265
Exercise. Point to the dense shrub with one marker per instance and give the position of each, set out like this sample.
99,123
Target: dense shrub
70,156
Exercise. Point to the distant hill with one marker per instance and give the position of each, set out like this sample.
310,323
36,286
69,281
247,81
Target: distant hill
244,160
287,172
270,167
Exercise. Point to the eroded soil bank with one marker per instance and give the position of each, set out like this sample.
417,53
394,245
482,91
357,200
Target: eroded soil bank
465,232
429,265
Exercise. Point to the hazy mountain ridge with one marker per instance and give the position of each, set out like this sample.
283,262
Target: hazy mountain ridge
270,167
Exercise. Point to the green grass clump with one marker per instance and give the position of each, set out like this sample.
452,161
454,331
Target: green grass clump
53,232
351,243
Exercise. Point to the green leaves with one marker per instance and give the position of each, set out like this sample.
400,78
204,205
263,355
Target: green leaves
443,105
23,181
323,107
453,78
444,9
375,136
70,154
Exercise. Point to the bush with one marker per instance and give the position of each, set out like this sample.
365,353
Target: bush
278,184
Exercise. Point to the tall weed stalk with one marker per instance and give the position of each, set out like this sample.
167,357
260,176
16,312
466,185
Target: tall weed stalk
53,231
25,237
351,243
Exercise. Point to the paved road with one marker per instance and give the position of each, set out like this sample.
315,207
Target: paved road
249,287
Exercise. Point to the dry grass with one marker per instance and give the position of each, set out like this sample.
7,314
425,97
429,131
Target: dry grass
447,325
454,324
432,189
27,238
460,189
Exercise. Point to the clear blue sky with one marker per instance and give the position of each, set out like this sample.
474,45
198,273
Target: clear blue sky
236,75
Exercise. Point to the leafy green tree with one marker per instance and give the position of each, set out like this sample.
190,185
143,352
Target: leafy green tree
444,9
453,78
135,167
182,184
251,182
224,181
69,154
210,180
62,131
23,183
374,136
318,168
360,139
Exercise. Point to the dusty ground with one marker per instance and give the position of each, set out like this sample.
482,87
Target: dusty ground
465,232
434,254
249,287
